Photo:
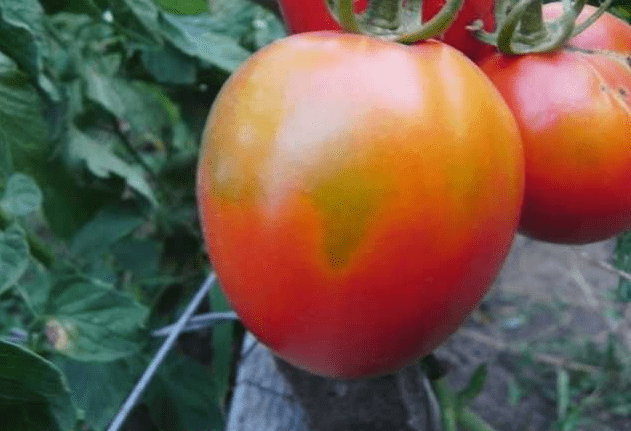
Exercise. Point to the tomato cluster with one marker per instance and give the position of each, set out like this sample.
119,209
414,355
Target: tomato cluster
573,107
358,197
312,15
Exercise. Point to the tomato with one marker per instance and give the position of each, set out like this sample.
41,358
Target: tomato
608,32
457,35
312,15
357,197
574,112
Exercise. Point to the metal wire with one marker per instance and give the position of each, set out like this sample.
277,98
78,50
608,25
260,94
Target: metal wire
199,321
135,394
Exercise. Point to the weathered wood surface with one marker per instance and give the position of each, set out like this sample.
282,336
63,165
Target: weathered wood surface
273,396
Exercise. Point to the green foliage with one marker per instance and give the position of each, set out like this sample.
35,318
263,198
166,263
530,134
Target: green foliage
222,342
21,196
98,389
22,128
623,262
475,386
189,7
34,394
183,395
14,256
90,321
101,107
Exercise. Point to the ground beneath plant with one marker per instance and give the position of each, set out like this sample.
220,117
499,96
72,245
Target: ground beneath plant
549,303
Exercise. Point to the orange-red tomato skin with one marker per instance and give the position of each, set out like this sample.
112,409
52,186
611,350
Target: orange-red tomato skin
358,198
573,108
608,32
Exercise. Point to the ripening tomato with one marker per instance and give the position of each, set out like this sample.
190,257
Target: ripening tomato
357,197
608,32
573,107
312,15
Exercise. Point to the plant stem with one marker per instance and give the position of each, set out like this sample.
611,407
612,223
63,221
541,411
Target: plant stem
532,19
343,10
447,404
384,13
453,412
393,20
592,19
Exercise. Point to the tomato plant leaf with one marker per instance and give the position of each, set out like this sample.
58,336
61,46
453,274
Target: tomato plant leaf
106,228
21,37
82,42
22,196
234,18
139,18
222,343
190,7
191,36
90,321
183,397
99,389
133,102
22,127
140,107
267,28
623,262
12,327
14,256
140,256
170,66
475,386
21,32
103,163
34,287
33,391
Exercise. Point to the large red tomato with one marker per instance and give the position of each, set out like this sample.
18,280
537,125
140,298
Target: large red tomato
312,15
574,112
357,197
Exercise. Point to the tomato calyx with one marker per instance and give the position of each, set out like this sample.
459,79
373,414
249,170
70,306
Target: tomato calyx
521,28
393,20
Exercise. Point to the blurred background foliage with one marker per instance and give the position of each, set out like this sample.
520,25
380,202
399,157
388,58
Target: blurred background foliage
102,103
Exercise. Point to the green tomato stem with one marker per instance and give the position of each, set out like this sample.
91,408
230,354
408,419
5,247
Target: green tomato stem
592,19
438,24
452,411
384,14
549,39
521,28
393,20
446,399
532,19
343,11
